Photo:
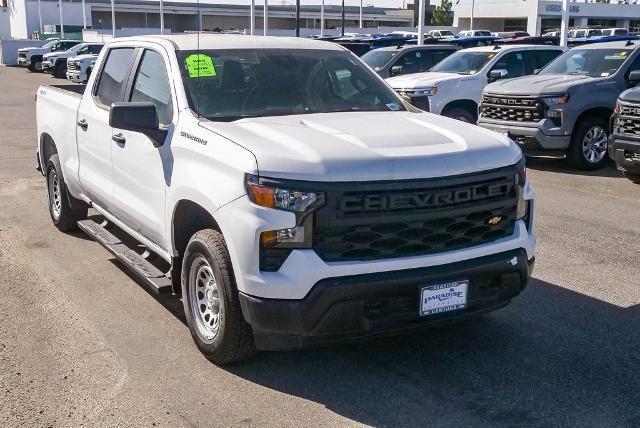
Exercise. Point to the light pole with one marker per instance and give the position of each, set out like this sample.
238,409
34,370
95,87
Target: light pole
113,19
161,17
297,18
564,25
473,6
40,17
252,17
342,19
361,23
84,17
322,18
61,20
266,17
421,22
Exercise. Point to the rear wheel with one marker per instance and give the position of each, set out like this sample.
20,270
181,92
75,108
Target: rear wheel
211,301
632,176
460,114
65,211
588,150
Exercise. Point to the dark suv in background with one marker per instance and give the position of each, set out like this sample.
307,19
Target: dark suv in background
395,61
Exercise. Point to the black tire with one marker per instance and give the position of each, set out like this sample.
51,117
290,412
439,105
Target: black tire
32,67
576,155
208,285
60,70
460,114
65,211
632,176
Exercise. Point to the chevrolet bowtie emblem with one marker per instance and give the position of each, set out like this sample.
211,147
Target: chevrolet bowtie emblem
495,220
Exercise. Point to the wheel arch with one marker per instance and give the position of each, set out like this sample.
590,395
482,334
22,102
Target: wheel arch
600,112
469,105
47,147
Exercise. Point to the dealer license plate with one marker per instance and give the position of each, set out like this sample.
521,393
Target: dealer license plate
439,298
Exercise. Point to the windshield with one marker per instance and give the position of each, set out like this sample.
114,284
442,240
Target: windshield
444,33
51,43
376,59
464,62
588,62
232,84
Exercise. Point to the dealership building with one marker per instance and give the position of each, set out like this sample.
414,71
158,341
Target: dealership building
21,18
538,16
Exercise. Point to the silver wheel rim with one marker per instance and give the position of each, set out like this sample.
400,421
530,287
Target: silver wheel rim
204,296
55,195
594,144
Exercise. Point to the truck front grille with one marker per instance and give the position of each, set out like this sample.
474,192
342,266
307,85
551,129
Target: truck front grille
72,66
629,119
22,55
514,109
372,221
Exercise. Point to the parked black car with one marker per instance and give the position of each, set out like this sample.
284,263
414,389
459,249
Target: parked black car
395,61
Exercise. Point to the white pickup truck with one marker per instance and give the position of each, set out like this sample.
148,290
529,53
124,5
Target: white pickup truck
453,87
284,191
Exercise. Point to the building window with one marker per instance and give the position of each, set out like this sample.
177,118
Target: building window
515,24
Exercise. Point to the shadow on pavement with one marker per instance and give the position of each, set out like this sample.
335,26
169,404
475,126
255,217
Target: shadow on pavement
560,165
553,357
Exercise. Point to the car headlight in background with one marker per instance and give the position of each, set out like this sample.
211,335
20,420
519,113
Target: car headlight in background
553,101
522,209
428,91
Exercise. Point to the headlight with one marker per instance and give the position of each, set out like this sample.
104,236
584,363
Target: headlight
271,195
552,101
522,210
428,91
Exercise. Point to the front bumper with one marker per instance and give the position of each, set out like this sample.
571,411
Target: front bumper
353,308
531,138
48,66
626,152
76,76
24,62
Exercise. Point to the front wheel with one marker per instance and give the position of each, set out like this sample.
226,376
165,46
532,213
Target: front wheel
60,71
588,150
635,177
211,302
460,114
65,211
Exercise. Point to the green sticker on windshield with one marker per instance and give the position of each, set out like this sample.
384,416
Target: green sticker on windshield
200,65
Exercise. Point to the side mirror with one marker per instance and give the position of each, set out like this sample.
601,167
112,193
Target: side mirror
395,70
499,73
634,77
138,117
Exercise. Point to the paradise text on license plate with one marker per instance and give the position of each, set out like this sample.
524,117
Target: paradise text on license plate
435,299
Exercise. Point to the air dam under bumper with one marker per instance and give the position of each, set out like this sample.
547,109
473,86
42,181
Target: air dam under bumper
626,153
531,138
354,308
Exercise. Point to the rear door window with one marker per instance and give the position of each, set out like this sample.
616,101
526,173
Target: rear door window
113,77
539,58
514,63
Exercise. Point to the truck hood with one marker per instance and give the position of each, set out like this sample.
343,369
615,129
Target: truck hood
367,146
419,80
546,84
26,50
84,57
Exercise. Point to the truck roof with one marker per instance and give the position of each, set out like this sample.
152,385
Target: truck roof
612,45
235,41
501,48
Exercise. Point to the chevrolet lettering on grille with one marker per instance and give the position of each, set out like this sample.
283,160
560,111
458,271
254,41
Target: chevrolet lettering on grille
422,199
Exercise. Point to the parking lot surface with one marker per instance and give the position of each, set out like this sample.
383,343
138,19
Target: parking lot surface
81,342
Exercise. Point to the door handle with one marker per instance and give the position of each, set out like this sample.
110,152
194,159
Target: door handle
119,139
83,124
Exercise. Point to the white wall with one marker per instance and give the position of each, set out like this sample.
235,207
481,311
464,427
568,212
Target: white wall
24,16
9,49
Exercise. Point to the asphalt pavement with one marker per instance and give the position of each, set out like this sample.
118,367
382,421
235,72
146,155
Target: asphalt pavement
83,343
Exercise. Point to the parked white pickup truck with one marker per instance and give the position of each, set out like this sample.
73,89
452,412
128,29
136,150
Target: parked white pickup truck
56,62
453,87
79,67
32,57
284,191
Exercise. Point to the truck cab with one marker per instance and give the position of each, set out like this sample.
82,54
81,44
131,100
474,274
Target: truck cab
454,86
283,191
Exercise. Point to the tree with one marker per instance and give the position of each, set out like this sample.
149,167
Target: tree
442,14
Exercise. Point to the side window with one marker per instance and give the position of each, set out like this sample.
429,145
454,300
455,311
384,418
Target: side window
113,78
635,65
410,62
83,50
152,85
513,62
439,56
95,49
539,59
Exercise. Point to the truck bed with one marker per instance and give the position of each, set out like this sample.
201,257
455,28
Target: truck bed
78,90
